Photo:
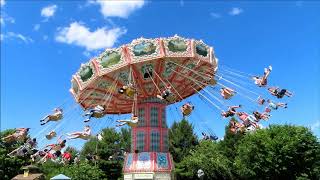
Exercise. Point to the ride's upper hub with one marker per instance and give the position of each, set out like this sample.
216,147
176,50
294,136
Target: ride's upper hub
152,63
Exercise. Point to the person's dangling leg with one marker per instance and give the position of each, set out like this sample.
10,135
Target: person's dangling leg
45,118
74,137
46,121
89,117
126,121
122,124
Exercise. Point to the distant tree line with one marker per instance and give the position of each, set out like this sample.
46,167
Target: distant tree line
276,152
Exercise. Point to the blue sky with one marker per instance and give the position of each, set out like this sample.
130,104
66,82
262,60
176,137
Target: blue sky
44,43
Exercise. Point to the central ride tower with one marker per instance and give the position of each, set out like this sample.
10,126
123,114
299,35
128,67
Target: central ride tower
149,157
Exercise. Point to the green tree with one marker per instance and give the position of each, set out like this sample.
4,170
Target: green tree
108,150
125,139
228,146
181,139
230,142
82,171
208,157
279,152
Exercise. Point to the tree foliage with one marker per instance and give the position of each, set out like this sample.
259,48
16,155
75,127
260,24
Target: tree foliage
181,140
82,171
109,151
276,152
279,152
208,157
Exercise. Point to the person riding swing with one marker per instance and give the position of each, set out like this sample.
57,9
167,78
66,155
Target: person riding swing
186,109
56,116
20,134
230,112
133,122
51,135
96,112
227,93
128,90
262,81
167,95
279,93
85,134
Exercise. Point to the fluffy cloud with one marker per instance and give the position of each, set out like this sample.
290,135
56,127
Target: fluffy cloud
6,18
235,11
48,11
12,35
80,35
2,3
123,8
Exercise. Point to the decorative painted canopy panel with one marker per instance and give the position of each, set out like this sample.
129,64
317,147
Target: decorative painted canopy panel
152,64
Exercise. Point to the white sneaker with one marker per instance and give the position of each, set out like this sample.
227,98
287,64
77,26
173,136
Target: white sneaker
270,68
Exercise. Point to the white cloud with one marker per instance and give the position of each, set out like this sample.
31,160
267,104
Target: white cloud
36,27
13,35
235,11
315,126
48,11
2,2
1,37
215,15
80,35
87,54
6,18
123,8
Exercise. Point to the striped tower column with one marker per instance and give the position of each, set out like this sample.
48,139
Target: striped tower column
149,157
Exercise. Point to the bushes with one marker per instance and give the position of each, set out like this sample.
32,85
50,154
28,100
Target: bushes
208,157
82,171
277,152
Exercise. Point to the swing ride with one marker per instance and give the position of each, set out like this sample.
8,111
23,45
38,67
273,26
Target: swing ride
142,78
145,77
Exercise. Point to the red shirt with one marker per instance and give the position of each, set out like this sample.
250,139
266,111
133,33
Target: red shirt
66,155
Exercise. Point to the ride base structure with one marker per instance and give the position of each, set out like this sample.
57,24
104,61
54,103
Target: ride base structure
149,157
150,65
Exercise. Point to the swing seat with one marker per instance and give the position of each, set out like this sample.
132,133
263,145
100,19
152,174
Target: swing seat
132,125
55,117
49,137
130,92
171,98
228,96
20,137
134,122
85,137
187,111
98,114
57,148
10,139
211,81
